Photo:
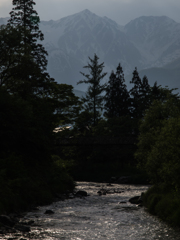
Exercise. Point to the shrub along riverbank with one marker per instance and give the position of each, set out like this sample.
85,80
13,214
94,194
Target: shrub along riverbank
159,155
29,174
164,203
24,187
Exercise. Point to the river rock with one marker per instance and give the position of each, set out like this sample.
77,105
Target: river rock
81,193
49,212
135,200
109,185
26,222
22,228
102,192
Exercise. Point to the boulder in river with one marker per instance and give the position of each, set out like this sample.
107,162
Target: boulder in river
135,200
49,212
81,193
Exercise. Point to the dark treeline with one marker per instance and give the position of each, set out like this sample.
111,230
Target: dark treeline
110,111
32,105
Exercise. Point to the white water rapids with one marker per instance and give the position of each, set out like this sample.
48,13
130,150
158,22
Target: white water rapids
97,217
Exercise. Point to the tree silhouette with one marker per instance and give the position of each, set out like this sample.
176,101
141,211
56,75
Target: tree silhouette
140,95
117,99
93,100
27,74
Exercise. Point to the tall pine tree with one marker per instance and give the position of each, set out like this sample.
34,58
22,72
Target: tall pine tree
110,97
93,100
9,50
139,95
27,74
117,99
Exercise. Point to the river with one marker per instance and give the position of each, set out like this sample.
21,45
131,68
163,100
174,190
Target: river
97,217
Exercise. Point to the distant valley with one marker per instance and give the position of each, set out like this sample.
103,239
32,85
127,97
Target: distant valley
152,44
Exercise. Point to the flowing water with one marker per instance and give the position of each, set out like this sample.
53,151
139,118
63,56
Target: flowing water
97,217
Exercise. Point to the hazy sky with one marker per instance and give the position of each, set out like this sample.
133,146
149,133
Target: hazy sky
121,11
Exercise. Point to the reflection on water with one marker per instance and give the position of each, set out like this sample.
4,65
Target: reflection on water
98,217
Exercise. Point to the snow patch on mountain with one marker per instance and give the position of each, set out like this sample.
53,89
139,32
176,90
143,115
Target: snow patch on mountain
71,40
144,42
156,38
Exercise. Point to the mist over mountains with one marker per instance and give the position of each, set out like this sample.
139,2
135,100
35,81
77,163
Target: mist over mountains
152,44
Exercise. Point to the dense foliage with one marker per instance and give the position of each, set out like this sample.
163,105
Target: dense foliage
24,66
117,99
158,140
31,105
158,154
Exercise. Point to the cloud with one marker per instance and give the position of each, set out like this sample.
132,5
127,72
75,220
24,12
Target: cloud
5,8
122,11
4,2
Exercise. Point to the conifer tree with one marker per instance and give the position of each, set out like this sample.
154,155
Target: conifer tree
135,92
144,94
23,64
9,44
110,97
93,100
139,95
117,100
27,74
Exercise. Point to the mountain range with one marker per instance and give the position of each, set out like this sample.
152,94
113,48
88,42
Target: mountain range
152,44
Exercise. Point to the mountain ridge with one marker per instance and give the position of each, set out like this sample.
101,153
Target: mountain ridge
79,37
146,42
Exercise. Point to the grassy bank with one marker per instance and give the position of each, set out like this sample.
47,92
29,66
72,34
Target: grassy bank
164,203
